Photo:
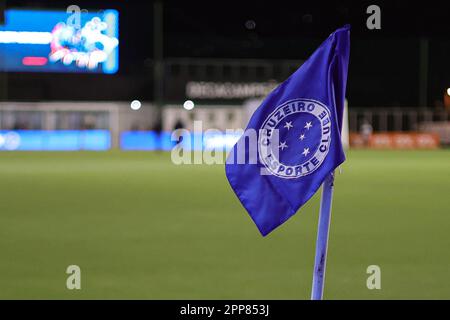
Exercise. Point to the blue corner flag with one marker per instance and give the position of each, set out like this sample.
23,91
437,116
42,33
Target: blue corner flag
298,128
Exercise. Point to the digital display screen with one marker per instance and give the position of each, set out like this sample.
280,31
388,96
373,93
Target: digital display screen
60,41
61,140
149,140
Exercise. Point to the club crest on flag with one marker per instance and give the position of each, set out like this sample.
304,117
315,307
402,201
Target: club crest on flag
295,138
296,132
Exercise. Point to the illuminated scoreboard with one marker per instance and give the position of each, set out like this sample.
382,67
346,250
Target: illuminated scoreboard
56,41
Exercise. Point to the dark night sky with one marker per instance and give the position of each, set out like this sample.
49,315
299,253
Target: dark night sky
384,66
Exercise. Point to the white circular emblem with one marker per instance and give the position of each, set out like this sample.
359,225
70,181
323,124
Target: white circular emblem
295,138
11,141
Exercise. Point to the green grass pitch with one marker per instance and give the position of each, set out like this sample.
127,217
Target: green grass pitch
140,227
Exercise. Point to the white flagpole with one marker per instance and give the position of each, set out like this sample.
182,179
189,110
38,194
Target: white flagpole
322,238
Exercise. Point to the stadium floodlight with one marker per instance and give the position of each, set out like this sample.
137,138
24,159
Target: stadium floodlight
135,105
188,105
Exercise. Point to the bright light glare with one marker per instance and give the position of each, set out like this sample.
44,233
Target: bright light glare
188,105
220,141
448,91
135,105
25,37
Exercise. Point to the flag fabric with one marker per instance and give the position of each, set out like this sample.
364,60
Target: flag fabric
298,129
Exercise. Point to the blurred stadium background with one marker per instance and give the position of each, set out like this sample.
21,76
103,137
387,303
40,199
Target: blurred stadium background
123,76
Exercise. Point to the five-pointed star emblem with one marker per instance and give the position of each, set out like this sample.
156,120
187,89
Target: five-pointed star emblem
283,145
308,125
305,151
288,125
